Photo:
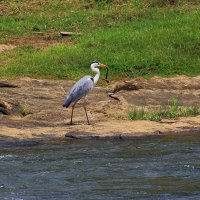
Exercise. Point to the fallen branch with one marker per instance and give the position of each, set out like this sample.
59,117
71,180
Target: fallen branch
69,33
8,85
114,97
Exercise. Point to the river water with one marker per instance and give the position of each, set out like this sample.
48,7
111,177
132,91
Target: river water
152,168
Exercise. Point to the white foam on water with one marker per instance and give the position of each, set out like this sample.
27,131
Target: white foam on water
6,156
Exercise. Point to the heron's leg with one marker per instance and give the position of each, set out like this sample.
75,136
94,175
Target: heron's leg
84,106
73,106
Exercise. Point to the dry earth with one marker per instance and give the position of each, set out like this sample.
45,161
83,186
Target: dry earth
5,47
39,40
108,116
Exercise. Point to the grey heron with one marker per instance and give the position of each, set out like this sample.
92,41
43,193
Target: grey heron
82,87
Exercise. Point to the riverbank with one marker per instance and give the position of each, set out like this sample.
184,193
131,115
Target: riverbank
35,112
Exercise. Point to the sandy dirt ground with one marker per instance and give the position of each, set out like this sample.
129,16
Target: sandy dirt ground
108,115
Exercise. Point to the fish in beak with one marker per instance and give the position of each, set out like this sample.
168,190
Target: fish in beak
104,66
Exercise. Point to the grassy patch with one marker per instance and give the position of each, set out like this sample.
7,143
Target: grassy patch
135,38
174,111
24,110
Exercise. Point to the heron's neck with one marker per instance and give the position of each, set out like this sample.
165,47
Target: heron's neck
97,72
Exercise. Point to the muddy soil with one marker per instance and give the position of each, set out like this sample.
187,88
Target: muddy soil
107,109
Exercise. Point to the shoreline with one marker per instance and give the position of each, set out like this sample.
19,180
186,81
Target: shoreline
48,120
7,142
100,131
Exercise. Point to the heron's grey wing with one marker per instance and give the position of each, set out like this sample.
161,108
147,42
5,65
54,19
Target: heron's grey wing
80,89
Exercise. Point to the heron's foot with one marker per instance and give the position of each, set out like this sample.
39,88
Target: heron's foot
88,123
74,124
69,123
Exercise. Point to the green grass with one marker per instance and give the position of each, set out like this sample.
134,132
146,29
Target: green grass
172,112
134,38
24,110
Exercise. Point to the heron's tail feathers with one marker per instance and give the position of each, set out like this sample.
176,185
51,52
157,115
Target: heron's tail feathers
67,102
